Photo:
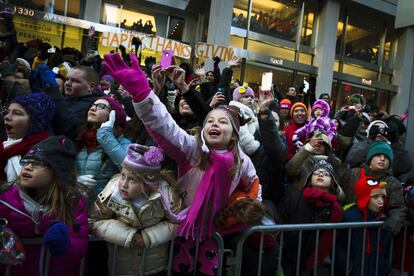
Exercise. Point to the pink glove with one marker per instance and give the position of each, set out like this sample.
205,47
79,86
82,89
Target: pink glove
132,79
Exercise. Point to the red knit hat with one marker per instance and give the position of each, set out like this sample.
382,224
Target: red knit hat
365,188
298,104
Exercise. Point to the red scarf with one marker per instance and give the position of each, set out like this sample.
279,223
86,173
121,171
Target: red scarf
18,149
320,199
211,197
89,140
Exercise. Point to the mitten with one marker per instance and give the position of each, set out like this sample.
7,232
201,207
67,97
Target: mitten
133,79
111,121
87,180
41,78
296,141
57,238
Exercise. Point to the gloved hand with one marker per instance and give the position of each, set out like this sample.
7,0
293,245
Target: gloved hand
110,123
41,78
57,238
133,79
87,180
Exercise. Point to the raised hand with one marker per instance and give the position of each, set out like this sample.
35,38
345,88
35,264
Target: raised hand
158,76
133,79
265,100
234,62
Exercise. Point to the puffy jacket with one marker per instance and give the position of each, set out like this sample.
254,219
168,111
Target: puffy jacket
117,220
28,220
103,168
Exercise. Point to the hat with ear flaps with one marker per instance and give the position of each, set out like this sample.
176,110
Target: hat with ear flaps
235,116
324,164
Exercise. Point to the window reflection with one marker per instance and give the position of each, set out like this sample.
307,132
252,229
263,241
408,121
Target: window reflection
51,6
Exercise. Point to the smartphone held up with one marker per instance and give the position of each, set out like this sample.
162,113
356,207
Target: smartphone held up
267,80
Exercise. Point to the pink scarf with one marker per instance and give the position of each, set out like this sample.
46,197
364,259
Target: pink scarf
211,196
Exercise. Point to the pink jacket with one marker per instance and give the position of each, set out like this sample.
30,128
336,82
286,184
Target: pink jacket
27,221
183,148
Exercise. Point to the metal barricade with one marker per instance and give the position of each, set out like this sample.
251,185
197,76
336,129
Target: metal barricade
335,227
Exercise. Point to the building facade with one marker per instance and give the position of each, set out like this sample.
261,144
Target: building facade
345,46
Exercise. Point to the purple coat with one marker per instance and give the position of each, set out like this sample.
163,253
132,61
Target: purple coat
14,205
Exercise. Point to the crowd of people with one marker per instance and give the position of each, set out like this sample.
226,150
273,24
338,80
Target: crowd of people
138,156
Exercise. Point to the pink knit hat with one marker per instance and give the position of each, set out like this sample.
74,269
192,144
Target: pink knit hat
241,91
120,115
144,159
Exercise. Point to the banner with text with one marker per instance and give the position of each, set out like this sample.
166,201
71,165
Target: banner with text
156,43
208,50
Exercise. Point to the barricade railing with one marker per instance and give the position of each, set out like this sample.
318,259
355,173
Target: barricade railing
335,227
45,257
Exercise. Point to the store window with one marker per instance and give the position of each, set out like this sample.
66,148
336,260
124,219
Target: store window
270,50
240,11
339,35
308,22
363,39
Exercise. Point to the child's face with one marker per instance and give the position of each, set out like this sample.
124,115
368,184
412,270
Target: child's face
379,163
321,179
129,185
35,174
318,112
16,121
376,202
99,112
247,100
218,130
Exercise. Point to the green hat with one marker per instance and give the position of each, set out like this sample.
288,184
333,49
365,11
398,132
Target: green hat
380,148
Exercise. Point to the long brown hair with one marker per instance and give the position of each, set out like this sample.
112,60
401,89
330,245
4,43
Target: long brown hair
205,157
61,200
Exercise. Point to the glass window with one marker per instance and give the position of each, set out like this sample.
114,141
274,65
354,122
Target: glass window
236,42
113,15
363,39
270,50
51,6
240,11
359,72
175,29
307,25
339,35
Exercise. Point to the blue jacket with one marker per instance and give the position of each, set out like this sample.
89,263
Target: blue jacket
104,161
356,250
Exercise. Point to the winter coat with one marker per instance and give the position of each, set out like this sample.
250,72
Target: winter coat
301,164
117,220
293,209
395,209
322,123
357,155
104,161
183,148
289,131
357,237
28,220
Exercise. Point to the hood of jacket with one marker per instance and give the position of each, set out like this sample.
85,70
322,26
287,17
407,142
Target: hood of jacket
323,105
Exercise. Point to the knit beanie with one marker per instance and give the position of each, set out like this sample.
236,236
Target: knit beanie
120,116
380,148
145,160
285,103
298,104
355,99
107,77
323,164
323,105
242,91
59,153
365,188
40,109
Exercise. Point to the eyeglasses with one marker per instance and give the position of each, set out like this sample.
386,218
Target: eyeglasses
100,106
36,164
323,172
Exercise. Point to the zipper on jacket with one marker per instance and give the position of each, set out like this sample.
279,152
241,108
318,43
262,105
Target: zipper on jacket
35,220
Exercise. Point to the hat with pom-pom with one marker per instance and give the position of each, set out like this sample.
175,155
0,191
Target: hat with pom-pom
40,109
120,114
242,91
144,159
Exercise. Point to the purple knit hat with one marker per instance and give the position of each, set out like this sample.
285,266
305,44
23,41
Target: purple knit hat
241,91
40,109
144,159
120,116
107,77
322,105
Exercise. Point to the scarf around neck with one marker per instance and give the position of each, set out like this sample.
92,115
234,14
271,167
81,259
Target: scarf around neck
211,196
89,140
322,199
